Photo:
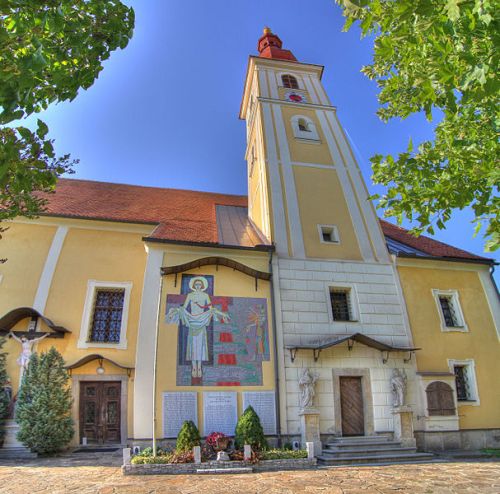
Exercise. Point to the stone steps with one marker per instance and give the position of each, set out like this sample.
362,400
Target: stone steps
16,453
375,459
334,447
347,453
369,449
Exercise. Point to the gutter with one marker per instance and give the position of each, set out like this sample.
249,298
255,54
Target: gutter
491,262
275,344
259,247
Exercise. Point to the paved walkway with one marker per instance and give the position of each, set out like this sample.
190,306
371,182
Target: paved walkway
78,474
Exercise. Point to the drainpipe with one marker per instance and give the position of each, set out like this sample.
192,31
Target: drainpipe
155,361
492,271
275,344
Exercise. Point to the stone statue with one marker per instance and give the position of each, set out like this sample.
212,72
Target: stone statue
307,381
27,349
398,387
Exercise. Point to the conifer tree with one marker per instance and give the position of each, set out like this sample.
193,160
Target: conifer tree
4,397
43,409
249,431
188,437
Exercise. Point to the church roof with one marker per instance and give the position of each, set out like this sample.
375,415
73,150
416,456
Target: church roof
188,216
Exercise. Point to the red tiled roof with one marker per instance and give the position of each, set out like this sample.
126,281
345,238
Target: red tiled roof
185,215
425,244
181,215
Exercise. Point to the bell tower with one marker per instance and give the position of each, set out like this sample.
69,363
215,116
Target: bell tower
306,191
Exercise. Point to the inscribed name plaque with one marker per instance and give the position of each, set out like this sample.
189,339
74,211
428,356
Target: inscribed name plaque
220,412
264,404
178,407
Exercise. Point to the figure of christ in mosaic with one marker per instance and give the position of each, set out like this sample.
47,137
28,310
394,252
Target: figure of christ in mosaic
223,340
197,313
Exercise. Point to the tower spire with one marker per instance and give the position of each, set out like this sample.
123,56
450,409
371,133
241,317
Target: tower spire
270,46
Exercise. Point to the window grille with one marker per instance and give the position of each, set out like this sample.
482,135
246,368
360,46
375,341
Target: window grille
461,383
341,305
107,316
448,311
289,81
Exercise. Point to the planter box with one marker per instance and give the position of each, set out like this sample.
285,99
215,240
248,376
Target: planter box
219,467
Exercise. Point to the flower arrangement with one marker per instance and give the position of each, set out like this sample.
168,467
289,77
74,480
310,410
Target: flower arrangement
218,441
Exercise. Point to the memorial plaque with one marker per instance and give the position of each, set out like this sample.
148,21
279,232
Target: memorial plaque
264,404
220,412
178,407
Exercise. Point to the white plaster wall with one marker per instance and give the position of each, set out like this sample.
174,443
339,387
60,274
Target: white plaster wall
306,317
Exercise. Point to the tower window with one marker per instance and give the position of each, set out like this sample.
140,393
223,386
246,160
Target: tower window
328,234
303,127
465,380
448,311
289,81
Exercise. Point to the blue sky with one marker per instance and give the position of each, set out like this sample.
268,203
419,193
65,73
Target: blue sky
164,111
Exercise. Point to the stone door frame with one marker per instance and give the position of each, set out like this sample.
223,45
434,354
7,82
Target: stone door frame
75,389
367,398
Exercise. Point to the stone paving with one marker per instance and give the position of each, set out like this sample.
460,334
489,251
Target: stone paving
86,474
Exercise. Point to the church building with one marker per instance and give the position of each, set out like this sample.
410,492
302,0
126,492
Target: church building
170,305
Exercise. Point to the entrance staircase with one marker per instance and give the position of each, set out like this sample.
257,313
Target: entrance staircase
379,449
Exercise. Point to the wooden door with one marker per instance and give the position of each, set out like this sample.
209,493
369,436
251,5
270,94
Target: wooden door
100,412
351,404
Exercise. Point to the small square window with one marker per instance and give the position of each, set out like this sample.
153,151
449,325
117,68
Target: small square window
328,234
341,304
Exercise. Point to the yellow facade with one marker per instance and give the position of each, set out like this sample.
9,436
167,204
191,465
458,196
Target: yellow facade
479,343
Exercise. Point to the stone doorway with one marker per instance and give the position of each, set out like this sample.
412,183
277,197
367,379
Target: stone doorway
100,412
357,386
351,406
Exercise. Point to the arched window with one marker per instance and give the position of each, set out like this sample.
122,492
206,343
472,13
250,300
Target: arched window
289,81
304,128
440,399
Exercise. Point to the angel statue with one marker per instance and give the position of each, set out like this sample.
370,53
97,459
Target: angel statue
27,349
196,314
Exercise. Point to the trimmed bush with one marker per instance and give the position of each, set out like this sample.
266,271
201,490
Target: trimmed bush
249,431
188,437
283,454
43,409
4,395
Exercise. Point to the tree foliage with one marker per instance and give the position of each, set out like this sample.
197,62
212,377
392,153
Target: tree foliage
43,409
439,57
48,52
4,380
249,431
188,437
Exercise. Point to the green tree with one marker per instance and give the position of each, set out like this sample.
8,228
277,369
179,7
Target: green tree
249,431
4,380
188,437
440,57
48,52
43,409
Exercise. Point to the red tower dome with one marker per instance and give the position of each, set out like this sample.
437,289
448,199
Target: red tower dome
270,47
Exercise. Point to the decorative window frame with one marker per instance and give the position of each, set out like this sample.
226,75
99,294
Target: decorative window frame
311,135
353,300
455,300
335,234
470,367
300,82
88,309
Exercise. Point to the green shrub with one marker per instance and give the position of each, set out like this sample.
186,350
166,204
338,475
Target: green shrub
151,460
283,454
43,409
188,437
249,431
